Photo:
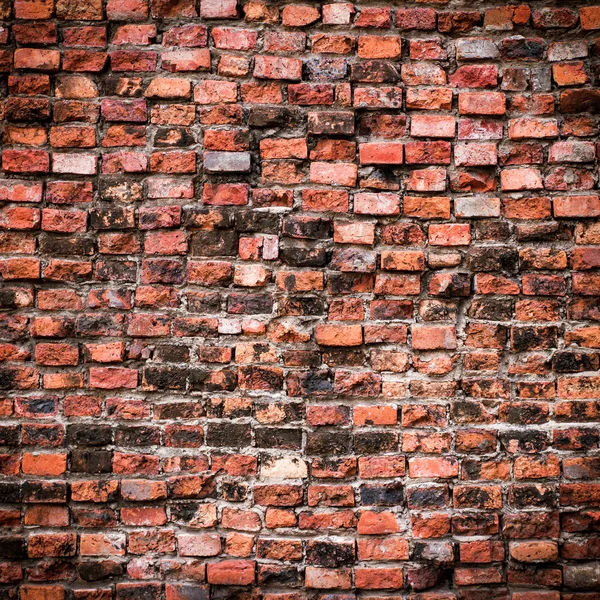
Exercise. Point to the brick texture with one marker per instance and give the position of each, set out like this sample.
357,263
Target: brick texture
299,301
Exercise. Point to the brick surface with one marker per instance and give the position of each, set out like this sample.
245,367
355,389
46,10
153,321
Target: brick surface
299,300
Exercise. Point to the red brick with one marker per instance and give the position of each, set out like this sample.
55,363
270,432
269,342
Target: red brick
427,207
589,17
299,15
378,578
532,552
406,260
338,335
428,337
379,46
380,153
42,592
231,572
475,155
577,206
481,103
44,464
37,59
429,98
427,153
529,127
450,235
367,203
432,468
376,17
432,126
337,174
327,579
273,67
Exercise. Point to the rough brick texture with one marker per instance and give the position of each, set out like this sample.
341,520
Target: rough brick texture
299,301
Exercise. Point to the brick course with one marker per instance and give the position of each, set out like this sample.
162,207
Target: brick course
299,301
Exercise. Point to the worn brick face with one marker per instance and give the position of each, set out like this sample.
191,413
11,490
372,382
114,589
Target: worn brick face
299,300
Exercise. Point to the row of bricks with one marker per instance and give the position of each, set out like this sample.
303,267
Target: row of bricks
424,495
577,576
249,40
231,150
300,15
478,336
208,92
221,274
426,522
340,309
241,572
238,139
343,382
374,204
227,242
230,154
545,466
423,337
342,174
384,153
433,522
256,275
432,179
533,397
375,48
320,442
161,542
323,122
448,285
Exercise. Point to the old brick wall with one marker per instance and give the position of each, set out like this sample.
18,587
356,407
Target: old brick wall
299,300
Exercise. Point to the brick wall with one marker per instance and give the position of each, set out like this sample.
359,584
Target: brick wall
299,301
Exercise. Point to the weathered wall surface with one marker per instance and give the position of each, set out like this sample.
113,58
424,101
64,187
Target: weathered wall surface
299,299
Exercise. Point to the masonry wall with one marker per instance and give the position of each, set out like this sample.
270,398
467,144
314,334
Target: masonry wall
299,300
